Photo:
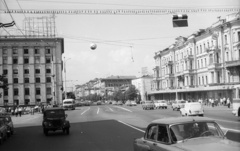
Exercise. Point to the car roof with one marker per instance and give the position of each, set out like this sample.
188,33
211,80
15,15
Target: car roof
53,108
176,120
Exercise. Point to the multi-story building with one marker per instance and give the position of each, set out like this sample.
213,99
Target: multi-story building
33,68
143,85
204,65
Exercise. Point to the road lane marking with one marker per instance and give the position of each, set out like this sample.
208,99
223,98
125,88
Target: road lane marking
123,108
98,110
132,126
110,109
85,111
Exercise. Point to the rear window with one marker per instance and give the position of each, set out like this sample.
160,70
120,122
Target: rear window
68,102
54,113
195,106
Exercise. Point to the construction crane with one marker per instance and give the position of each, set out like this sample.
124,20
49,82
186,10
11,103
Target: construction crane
118,11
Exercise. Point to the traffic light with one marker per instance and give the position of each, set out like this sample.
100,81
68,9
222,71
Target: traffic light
180,20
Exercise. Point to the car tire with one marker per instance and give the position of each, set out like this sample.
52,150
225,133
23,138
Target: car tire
67,131
45,131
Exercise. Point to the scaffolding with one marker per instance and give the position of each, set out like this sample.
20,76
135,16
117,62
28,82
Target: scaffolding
40,26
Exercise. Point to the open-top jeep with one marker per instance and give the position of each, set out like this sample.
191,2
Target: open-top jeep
55,119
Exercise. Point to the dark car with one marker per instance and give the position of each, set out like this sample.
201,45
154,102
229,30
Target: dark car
9,123
3,131
55,119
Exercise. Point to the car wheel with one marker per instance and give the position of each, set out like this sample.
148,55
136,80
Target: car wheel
45,131
67,131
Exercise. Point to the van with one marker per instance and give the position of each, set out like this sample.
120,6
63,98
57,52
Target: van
69,104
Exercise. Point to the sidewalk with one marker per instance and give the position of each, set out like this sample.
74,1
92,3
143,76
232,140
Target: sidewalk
225,108
25,118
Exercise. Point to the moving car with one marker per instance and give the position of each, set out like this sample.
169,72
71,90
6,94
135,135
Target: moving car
160,104
192,109
9,123
3,131
133,103
55,119
119,103
176,105
128,103
69,104
184,134
148,105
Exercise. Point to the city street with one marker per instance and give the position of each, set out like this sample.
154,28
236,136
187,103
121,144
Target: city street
103,127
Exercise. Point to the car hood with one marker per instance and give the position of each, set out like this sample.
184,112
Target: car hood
210,143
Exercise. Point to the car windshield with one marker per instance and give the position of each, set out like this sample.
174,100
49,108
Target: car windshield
182,132
67,102
54,113
182,102
163,101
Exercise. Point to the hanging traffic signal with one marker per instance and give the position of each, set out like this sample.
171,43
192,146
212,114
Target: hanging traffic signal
180,20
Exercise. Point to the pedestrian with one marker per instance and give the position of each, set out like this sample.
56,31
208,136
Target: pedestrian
20,111
228,103
16,111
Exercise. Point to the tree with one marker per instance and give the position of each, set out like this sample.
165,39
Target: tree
71,95
131,93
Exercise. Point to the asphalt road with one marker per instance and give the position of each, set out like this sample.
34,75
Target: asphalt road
102,128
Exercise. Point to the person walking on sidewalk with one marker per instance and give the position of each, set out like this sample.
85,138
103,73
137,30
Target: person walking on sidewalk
228,103
20,111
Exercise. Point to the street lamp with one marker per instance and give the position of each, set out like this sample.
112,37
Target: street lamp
65,91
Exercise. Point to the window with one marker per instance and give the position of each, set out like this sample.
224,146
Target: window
38,91
49,91
5,51
15,91
37,59
206,80
200,49
15,71
5,92
26,71
48,60
27,91
5,102
26,102
37,71
225,38
38,80
5,60
5,71
204,47
26,60
205,62
162,134
48,80
15,60
15,51
26,80
48,70
36,50
152,133
15,80
25,50
238,35
16,102
48,50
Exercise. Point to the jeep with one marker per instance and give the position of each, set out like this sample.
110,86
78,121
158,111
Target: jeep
55,119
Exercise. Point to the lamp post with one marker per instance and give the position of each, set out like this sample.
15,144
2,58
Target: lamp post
65,91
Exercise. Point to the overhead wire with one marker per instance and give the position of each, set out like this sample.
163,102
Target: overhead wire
12,17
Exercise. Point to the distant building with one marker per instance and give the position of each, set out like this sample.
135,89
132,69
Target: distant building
143,85
204,65
33,67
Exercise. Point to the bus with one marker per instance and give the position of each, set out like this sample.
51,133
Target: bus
69,104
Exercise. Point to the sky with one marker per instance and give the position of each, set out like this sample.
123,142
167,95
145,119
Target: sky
125,43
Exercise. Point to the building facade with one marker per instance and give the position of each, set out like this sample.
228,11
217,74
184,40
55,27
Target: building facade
204,65
143,85
33,68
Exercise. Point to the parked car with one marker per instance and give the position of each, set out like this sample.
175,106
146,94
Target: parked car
160,104
119,103
177,105
128,103
114,102
184,133
99,103
8,121
3,131
192,109
55,119
133,103
148,105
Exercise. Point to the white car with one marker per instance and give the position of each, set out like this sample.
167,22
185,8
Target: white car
178,104
160,104
133,103
192,109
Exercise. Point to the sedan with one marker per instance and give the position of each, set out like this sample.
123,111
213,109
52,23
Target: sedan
184,133
3,131
192,109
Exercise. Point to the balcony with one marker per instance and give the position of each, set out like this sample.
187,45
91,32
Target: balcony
170,75
233,63
189,57
170,63
214,66
213,48
188,71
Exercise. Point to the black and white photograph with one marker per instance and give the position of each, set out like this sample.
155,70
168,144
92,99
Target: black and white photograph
119,75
